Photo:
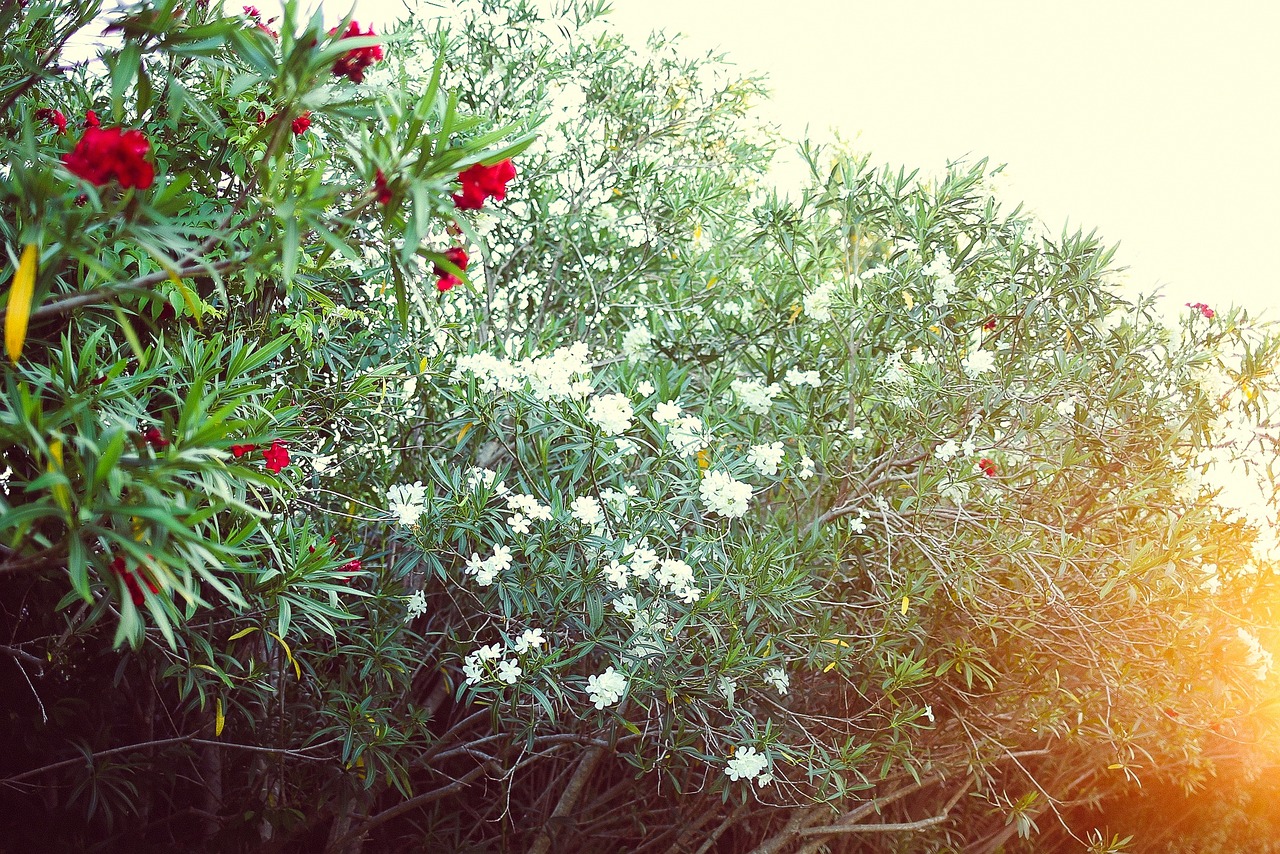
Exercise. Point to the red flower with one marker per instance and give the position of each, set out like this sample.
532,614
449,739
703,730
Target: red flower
239,451
301,123
91,119
155,438
102,155
256,17
130,578
1202,308
55,118
990,325
988,467
351,567
456,256
381,187
277,456
481,182
353,63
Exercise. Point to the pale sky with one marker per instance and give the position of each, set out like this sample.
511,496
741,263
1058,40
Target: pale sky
1154,122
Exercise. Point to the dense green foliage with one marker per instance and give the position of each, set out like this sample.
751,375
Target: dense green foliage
860,515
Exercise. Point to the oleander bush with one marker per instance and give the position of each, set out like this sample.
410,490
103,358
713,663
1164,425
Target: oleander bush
450,439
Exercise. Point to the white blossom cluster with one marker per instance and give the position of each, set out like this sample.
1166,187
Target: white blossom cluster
944,281
746,764
491,662
415,605
606,688
766,458
407,502
637,343
818,303
486,570
778,678
525,509
754,395
556,376
610,412
797,377
724,495
979,362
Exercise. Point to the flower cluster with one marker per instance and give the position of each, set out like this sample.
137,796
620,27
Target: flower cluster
979,362
818,304
484,571
354,62
606,688
766,458
55,118
611,413
407,502
524,510
755,396
415,605
457,256
106,154
778,678
748,764
724,495
1204,310
276,455
551,377
483,182
130,578
944,281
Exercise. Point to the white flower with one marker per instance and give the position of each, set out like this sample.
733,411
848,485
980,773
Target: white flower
500,560
724,495
617,574
611,413
818,304
979,362
778,678
416,605
509,671
618,500
947,450
675,574
666,412
755,396
637,343
586,510
478,477
492,652
687,436
473,669
798,377
806,467
606,689
529,639
857,434
519,523
407,502
645,388
625,447
928,713
528,506
746,763
766,458
642,559
858,524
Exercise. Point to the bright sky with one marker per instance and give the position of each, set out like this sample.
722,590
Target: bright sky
1154,122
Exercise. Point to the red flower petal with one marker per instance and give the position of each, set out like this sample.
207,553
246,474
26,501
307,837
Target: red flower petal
277,457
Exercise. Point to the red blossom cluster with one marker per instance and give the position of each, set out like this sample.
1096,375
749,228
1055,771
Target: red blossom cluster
353,63
55,118
301,123
990,325
256,17
1202,308
154,437
457,256
483,182
987,467
104,154
277,456
382,187
130,577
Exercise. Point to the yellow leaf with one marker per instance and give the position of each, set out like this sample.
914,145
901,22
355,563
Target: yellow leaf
936,329
219,718
795,312
909,300
829,667
243,633
1115,766
288,653
836,642
60,493
704,459
462,434
422,366
906,603
711,283
1249,391
697,231
18,312
617,192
